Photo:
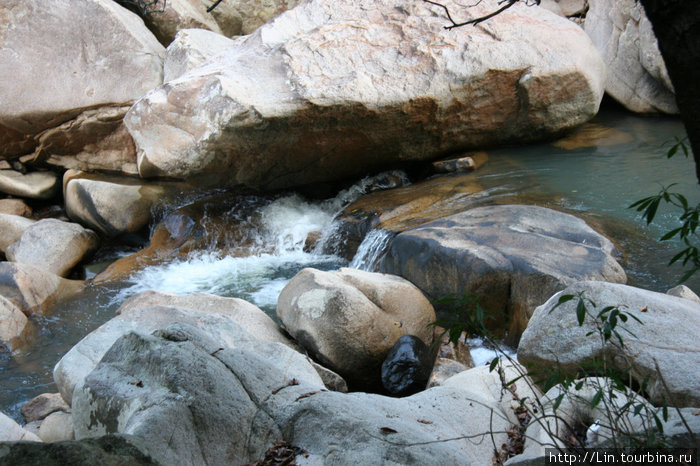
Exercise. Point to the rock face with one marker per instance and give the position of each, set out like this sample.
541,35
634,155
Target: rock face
668,337
330,89
195,403
110,59
32,290
515,256
637,76
35,185
233,321
407,367
53,245
349,320
94,140
112,205
190,49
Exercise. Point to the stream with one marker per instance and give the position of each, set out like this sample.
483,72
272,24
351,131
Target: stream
597,173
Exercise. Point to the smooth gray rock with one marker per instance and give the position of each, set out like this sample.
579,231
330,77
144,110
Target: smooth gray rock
56,427
53,246
192,402
187,397
34,185
515,256
683,291
233,322
349,320
667,337
113,205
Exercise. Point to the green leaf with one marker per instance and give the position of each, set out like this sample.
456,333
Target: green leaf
558,401
580,312
671,234
493,364
597,398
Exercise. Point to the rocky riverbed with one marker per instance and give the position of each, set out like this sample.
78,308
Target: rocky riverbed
184,134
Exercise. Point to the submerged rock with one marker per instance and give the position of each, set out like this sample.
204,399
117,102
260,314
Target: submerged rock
407,366
667,337
96,52
349,319
514,256
637,76
332,89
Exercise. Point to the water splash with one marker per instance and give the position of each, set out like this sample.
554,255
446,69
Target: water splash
372,249
278,242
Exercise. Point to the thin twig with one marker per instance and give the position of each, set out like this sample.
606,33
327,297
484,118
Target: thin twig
475,21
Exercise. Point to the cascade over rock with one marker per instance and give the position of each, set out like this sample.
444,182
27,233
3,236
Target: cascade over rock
514,256
331,89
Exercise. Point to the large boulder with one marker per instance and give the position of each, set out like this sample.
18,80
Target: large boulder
514,256
195,403
232,321
32,290
113,205
96,52
53,245
637,76
187,395
666,338
349,320
332,89
34,185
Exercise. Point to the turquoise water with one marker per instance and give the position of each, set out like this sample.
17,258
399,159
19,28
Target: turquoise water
597,182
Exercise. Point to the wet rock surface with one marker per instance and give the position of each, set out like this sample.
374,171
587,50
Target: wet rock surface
407,366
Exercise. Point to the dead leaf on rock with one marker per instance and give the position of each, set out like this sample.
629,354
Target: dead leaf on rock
387,430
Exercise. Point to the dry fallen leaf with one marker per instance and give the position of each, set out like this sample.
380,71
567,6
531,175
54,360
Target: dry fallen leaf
387,430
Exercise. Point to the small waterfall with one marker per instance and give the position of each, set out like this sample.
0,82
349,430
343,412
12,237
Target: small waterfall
270,244
372,249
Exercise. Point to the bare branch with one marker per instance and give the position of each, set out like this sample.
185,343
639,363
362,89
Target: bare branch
211,8
506,4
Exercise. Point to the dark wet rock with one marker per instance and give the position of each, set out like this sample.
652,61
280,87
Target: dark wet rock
108,450
406,369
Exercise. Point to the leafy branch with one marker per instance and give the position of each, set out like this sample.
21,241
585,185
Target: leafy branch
689,217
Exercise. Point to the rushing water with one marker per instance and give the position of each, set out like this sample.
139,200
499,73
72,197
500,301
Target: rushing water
598,182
